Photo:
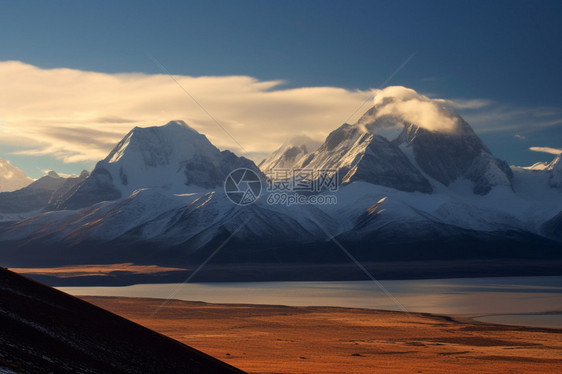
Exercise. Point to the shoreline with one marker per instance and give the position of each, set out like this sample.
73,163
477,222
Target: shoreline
548,320
125,274
459,297
337,340
461,318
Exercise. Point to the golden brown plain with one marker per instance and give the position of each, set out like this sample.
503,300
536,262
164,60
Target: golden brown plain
278,339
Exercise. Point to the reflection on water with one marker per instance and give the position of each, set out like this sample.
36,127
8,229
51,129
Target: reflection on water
506,295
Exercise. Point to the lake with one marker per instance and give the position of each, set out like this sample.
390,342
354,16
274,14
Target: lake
529,301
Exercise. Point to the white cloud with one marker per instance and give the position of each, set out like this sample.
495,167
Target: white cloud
552,151
416,108
78,115
466,104
500,117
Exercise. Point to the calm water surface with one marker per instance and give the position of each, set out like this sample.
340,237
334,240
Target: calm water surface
513,300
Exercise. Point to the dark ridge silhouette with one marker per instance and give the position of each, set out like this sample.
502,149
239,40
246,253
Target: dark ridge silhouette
45,330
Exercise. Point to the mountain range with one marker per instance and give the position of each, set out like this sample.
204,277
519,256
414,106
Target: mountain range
415,183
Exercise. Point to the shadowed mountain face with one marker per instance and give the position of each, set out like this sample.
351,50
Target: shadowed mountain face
358,155
45,330
388,150
447,157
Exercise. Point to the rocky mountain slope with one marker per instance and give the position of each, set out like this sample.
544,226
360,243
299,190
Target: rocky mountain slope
411,143
45,330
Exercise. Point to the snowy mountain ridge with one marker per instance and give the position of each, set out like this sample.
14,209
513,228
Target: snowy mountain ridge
170,157
402,183
289,152
409,142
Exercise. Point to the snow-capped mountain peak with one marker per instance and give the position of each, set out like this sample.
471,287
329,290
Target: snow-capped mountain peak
173,157
541,165
409,142
289,153
157,156
160,145
396,107
544,165
549,173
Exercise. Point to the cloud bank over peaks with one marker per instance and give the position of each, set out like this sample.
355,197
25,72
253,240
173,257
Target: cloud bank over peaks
413,107
76,116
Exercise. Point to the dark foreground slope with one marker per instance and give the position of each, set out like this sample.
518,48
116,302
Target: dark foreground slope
45,330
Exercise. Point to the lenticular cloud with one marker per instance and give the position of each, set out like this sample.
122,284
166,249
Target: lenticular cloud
405,103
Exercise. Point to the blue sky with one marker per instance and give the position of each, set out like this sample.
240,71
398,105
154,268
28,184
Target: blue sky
508,53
